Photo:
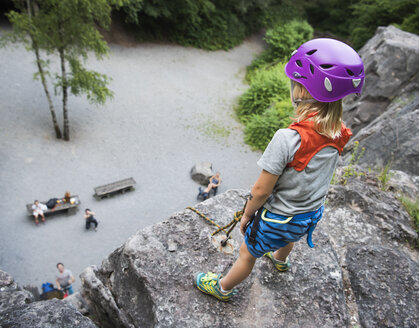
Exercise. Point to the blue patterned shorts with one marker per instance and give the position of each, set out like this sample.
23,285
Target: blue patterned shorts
276,231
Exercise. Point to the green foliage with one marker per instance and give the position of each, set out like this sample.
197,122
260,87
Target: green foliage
67,29
91,83
71,26
411,207
261,128
385,176
265,107
368,14
282,39
208,24
267,86
350,170
330,16
411,23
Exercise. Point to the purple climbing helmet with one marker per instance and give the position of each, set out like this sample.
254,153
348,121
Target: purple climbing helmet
327,68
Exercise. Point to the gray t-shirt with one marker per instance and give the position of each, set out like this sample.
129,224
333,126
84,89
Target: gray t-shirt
64,277
297,192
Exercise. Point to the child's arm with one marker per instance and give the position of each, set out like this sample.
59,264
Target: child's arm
261,190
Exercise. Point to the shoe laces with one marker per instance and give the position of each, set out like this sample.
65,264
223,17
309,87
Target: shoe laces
210,278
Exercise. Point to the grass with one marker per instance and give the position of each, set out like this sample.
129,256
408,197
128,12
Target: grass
385,176
411,207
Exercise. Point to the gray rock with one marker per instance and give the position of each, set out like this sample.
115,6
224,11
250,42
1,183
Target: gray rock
360,213
386,284
392,138
403,183
9,299
384,120
76,300
11,294
6,281
391,62
18,309
46,314
202,172
144,284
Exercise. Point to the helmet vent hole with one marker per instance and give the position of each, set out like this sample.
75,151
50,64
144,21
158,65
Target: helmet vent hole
350,72
361,71
299,63
311,69
309,53
326,66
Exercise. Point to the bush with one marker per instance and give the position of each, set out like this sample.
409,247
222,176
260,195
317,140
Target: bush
267,86
282,40
411,23
261,128
368,14
208,24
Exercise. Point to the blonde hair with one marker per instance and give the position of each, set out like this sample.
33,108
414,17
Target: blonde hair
327,121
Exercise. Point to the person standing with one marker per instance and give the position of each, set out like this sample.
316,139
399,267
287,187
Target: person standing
287,200
64,279
89,216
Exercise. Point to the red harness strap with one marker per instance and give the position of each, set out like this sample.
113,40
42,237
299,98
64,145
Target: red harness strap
312,143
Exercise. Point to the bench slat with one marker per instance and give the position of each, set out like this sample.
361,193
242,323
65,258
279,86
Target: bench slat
114,186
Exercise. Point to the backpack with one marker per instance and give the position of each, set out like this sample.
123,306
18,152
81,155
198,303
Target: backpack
51,203
47,287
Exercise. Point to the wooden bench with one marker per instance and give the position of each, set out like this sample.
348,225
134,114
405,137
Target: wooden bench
64,207
114,187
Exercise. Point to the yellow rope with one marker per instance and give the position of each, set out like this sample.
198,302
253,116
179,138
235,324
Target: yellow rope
237,217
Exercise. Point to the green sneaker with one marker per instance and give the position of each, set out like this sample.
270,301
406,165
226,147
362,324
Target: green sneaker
208,283
279,264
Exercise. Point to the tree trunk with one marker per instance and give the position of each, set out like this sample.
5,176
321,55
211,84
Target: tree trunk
42,75
65,95
43,80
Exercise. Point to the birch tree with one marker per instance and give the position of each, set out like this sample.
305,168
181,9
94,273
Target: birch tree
68,29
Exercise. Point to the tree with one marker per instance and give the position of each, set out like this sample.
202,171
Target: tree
69,29
368,14
24,26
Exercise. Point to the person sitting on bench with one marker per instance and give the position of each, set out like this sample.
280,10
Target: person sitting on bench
38,210
54,202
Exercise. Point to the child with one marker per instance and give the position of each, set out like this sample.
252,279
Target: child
38,210
298,164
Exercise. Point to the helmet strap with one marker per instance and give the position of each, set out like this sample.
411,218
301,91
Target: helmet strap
296,102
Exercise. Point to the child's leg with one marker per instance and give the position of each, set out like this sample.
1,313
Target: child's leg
240,270
282,253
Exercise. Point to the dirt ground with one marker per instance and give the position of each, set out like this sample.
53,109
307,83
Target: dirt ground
173,106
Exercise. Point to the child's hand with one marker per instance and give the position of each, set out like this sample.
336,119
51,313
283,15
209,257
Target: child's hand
244,223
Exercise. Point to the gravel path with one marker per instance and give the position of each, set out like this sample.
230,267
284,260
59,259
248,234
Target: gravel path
173,106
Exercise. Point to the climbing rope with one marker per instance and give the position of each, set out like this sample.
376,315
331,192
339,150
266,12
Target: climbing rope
237,217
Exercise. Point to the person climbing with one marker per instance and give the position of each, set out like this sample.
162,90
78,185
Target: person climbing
286,202
38,210
88,215
64,279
